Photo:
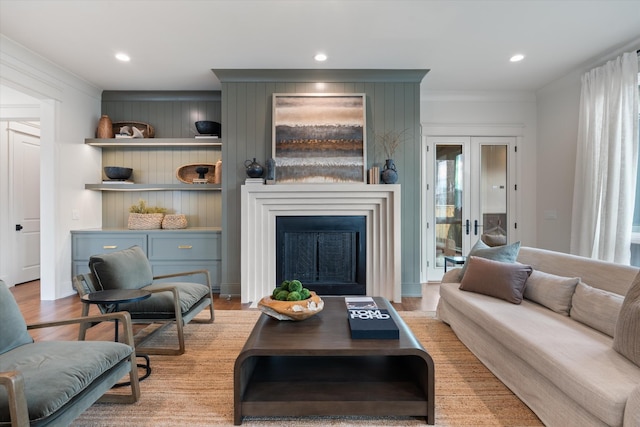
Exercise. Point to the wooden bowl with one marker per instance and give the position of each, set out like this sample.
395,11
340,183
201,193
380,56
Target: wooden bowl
291,310
187,173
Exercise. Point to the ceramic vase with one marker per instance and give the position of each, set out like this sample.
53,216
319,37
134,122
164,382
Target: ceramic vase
105,127
389,173
254,169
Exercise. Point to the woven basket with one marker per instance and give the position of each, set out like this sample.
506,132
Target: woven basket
138,221
174,221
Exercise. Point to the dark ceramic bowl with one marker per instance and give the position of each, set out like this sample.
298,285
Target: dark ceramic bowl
207,127
117,172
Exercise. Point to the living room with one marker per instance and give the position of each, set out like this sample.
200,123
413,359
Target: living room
540,110
546,116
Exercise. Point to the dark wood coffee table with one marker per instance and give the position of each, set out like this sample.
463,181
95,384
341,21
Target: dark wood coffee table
313,367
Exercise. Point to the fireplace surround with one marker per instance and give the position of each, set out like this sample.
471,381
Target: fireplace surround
262,204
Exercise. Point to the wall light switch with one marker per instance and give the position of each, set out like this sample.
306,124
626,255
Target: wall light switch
551,214
75,214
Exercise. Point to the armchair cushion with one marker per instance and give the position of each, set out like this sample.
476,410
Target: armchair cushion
14,329
160,304
124,269
54,374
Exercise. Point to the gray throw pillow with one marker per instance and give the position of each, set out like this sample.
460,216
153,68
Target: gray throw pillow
626,339
506,253
14,329
596,308
124,269
497,279
551,291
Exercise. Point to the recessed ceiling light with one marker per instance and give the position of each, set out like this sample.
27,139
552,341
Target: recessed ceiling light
320,57
517,58
123,57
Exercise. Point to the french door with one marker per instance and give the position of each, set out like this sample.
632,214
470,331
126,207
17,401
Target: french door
471,193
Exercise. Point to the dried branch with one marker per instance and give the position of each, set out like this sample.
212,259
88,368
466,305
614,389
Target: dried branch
389,140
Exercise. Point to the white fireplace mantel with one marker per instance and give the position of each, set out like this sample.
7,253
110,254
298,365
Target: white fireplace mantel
261,204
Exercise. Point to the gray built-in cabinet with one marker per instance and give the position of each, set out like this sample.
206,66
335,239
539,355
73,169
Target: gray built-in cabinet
155,162
169,251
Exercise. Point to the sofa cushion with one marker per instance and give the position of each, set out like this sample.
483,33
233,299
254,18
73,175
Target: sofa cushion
596,308
626,339
551,291
124,269
160,304
578,360
55,372
506,253
497,279
14,329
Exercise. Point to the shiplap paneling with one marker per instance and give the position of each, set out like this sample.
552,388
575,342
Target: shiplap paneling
247,126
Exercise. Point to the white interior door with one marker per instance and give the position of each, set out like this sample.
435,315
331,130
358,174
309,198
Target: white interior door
25,196
471,194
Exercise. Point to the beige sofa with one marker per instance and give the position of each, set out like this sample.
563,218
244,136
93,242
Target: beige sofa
562,365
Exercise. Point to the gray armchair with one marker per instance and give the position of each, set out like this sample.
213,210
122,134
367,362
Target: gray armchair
52,382
170,303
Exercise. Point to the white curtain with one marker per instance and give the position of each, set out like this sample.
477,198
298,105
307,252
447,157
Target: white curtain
606,161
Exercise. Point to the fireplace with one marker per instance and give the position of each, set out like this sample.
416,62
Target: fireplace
261,205
326,253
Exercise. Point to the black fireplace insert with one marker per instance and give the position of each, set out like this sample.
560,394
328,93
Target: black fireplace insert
326,253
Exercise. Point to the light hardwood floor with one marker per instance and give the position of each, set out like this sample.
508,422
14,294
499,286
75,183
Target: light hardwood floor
34,310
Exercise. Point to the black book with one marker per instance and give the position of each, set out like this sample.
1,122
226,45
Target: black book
372,324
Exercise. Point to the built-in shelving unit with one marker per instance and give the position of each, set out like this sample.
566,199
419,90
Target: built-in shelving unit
134,143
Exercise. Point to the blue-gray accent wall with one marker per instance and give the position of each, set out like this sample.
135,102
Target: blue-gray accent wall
392,103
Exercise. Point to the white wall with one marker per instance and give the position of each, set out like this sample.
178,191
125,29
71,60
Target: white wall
558,105
557,136
69,111
492,114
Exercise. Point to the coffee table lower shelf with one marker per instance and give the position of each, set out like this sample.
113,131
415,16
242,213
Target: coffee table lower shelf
357,385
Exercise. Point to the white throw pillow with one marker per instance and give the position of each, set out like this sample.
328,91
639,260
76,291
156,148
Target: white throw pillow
596,308
551,291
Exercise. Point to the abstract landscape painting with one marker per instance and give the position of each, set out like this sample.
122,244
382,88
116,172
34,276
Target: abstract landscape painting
319,138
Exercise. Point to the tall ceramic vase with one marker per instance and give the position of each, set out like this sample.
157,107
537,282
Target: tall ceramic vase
389,172
105,127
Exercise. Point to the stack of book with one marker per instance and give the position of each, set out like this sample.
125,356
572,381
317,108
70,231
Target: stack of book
252,181
368,321
374,175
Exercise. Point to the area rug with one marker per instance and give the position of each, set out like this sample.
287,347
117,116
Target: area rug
196,388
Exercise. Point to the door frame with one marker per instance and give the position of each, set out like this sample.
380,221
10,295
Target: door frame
426,192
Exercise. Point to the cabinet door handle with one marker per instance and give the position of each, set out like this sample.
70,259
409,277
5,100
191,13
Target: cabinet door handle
109,246
185,246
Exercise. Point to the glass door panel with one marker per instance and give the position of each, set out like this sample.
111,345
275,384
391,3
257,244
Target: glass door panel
493,194
449,193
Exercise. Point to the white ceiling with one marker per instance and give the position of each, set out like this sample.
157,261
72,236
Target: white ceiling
174,44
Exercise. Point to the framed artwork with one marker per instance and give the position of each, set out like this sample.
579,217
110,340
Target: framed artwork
319,138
